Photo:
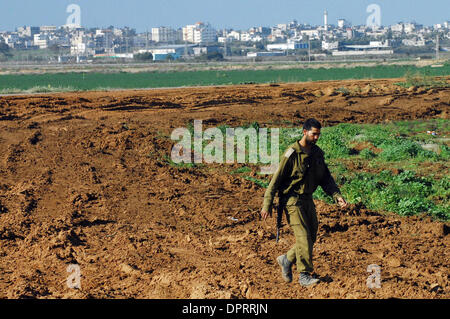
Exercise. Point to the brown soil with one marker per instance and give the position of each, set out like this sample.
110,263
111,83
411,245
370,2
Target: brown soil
85,181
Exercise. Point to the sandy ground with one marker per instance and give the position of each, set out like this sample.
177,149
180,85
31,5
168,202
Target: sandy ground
85,181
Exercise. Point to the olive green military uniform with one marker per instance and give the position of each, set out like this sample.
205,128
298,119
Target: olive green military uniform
297,177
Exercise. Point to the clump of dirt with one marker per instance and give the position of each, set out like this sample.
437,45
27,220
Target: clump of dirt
87,180
362,145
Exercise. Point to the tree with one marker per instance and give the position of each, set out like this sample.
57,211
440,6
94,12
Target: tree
214,56
170,58
5,51
55,48
211,56
146,56
259,46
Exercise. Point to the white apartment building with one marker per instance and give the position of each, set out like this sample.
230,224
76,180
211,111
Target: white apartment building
236,35
342,24
205,34
256,38
329,46
282,27
59,40
379,44
414,42
82,43
165,34
377,33
245,36
349,33
278,33
28,31
289,45
48,28
199,33
78,49
409,27
397,27
225,39
312,34
78,44
188,33
41,40
117,32
11,39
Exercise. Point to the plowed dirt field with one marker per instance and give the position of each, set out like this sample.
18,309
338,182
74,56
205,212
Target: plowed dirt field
85,180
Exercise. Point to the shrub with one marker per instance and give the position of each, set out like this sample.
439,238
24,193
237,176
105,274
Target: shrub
146,56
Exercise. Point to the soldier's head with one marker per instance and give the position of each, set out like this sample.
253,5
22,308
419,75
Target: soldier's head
311,130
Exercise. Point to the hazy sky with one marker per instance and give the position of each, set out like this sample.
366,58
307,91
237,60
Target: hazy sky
236,14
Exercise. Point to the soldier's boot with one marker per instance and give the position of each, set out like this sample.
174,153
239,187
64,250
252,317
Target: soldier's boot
286,268
305,279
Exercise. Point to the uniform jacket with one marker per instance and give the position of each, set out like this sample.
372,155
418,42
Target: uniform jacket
300,173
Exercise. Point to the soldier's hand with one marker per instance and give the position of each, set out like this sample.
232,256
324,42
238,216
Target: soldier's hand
342,203
265,214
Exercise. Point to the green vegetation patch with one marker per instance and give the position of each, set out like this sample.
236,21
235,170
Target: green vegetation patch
83,81
385,163
422,79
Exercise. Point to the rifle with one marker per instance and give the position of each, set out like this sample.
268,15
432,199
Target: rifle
279,220
280,209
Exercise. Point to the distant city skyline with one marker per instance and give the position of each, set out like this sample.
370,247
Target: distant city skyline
142,15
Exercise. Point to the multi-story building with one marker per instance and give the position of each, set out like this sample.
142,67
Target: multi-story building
79,44
41,40
199,33
245,36
289,45
282,27
416,42
165,34
342,24
47,28
188,33
205,34
11,39
264,31
278,33
62,41
330,46
104,40
28,31
312,34
236,35
349,33
142,40
397,28
409,27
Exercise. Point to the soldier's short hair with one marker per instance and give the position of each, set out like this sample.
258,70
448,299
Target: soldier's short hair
310,123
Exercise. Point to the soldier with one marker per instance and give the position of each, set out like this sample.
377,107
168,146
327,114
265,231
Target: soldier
302,168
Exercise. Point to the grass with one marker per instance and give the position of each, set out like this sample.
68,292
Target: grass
399,146
241,170
382,166
122,80
406,193
389,173
420,79
37,89
260,183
